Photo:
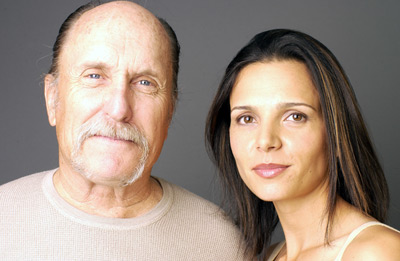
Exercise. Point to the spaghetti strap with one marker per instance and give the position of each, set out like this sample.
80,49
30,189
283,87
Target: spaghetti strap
355,233
276,251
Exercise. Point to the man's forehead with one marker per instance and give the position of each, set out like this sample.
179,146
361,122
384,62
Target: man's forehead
133,27
125,15
121,37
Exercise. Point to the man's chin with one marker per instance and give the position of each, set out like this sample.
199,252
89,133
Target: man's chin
110,170
110,179
101,174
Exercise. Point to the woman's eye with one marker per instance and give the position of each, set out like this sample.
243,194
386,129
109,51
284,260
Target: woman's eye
297,117
246,119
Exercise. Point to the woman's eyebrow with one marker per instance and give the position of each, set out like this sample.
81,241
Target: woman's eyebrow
245,107
280,105
294,104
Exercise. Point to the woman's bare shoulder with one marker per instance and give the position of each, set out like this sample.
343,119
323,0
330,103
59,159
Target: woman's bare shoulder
374,243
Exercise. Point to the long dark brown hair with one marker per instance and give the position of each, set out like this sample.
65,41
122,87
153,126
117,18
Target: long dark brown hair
355,173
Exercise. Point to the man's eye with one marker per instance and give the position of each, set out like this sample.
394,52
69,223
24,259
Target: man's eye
145,82
145,86
94,76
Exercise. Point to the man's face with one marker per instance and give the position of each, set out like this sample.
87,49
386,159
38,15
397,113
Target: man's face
114,95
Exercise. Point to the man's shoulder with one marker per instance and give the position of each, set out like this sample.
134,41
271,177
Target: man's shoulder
189,205
204,224
185,198
24,185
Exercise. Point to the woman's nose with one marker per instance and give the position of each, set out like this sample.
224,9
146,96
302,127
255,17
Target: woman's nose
268,138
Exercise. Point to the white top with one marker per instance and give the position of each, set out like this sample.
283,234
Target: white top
350,238
355,233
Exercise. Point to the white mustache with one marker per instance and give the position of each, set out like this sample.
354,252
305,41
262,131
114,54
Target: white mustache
98,126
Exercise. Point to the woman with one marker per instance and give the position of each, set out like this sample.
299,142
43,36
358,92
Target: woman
287,135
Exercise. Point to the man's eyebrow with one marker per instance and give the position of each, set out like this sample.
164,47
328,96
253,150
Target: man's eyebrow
103,65
149,72
97,65
280,105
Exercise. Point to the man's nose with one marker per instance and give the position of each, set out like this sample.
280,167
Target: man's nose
119,103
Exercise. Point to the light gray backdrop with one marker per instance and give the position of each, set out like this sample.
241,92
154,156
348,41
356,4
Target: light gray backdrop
364,35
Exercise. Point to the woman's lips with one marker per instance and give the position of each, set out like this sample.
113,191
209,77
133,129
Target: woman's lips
269,170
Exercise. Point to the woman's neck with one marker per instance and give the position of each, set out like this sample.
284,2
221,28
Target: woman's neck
304,222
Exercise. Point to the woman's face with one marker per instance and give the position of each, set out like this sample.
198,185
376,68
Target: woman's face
277,132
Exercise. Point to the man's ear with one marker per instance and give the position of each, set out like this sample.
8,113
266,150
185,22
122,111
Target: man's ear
50,95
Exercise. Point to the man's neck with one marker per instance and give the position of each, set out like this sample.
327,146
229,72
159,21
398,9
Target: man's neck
109,201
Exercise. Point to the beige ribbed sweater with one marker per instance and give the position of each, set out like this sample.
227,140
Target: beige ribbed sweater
37,224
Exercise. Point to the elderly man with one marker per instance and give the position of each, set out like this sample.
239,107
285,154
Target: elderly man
110,93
